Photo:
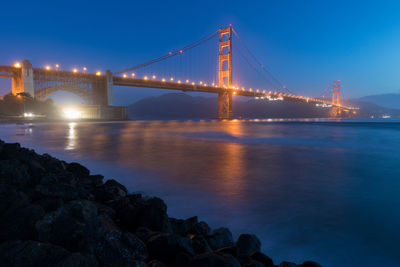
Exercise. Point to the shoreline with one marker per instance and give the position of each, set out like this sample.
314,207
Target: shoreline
59,208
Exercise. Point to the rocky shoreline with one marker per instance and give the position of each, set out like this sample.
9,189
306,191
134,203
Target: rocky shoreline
54,213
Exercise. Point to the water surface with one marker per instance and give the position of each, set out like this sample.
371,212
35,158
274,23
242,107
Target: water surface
328,191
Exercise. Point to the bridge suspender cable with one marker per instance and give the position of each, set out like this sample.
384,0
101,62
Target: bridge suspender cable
259,63
170,54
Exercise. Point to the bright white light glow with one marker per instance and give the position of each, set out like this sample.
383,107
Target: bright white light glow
71,113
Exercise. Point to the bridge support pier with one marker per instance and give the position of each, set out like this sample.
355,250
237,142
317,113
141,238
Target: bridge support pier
109,88
22,81
225,105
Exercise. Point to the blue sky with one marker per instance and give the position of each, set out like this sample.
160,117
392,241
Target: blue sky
306,44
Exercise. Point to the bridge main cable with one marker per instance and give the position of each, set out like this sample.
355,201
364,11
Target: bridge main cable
170,54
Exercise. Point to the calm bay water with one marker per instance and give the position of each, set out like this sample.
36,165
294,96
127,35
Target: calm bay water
327,191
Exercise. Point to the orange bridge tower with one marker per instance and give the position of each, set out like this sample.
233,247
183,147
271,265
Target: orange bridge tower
225,73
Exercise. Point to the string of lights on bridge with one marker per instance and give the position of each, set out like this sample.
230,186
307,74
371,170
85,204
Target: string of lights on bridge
265,94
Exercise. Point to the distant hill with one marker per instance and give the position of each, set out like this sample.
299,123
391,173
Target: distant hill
183,106
383,100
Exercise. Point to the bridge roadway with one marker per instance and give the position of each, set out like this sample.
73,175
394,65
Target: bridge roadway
188,87
9,71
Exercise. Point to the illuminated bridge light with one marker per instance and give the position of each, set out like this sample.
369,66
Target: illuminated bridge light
84,69
234,93
205,84
163,79
193,83
201,82
179,81
146,78
98,73
212,84
57,66
154,77
251,90
133,75
17,65
171,79
187,81
124,75
75,70
48,67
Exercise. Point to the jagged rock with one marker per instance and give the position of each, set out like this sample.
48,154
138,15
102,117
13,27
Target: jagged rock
57,190
93,180
264,259
247,244
310,264
253,263
182,227
221,237
288,264
228,250
166,246
117,248
13,172
200,244
18,217
73,226
109,191
78,260
145,234
182,260
214,259
78,170
200,228
150,213
29,253
156,263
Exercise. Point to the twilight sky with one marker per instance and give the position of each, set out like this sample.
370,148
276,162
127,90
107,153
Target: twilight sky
306,44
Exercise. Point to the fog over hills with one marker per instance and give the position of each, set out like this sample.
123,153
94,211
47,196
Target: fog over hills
384,100
183,106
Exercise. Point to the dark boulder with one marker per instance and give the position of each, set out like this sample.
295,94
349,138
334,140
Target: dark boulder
247,244
228,250
166,246
57,190
92,180
200,228
221,237
214,259
182,227
109,191
28,253
288,264
253,263
264,259
78,170
150,213
156,263
310,264
13,172
17,215
18,222
73,226
78,260
145,234
117,248
200,244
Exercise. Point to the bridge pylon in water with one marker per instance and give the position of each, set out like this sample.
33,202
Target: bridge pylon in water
225,73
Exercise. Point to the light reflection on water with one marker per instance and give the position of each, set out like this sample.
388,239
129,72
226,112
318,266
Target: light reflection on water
326,191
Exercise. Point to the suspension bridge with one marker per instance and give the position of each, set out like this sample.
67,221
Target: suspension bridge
211,58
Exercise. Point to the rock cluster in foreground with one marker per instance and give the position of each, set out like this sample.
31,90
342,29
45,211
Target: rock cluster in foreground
54,213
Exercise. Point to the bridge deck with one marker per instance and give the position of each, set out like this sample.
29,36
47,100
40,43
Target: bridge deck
188,87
